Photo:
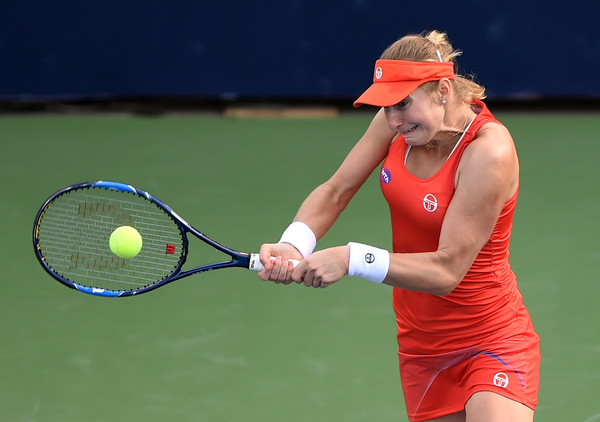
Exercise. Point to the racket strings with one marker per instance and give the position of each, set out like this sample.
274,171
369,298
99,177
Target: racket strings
74,233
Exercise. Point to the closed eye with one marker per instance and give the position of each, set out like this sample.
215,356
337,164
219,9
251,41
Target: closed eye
402,105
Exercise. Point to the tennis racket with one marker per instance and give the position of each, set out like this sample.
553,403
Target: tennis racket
71,240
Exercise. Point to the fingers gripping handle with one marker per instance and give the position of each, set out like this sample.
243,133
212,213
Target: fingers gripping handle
256,265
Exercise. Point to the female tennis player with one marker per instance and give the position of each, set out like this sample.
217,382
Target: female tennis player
467,348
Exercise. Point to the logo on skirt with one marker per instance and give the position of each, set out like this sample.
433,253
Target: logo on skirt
501,380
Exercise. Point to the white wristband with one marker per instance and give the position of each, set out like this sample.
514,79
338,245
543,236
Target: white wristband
300,236
368,262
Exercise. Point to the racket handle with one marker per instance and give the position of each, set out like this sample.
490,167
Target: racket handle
256,265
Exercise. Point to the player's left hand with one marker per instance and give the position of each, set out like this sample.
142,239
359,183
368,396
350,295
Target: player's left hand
323,268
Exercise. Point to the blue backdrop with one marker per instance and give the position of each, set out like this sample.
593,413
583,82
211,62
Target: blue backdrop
285,49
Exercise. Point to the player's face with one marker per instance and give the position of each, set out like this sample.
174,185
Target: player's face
416,117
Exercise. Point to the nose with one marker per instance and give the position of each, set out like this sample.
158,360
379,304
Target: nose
394,118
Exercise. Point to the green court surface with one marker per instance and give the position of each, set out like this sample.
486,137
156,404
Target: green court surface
226,346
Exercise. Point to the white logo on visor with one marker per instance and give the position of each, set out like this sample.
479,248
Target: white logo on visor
378,72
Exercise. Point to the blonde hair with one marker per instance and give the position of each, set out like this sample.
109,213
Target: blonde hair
434,46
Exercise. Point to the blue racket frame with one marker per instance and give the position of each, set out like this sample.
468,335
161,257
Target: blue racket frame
238,259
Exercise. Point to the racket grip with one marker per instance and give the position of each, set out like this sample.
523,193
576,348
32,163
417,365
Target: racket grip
256,265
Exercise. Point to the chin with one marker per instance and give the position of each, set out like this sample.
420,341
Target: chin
415,141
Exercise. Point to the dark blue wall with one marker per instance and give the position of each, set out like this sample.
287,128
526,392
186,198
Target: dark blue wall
287,48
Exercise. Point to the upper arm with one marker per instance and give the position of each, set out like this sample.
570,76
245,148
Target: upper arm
366,155
487,177
322,207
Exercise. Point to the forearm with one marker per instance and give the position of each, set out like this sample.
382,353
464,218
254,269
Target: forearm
321,208
325,204
316,215
429,272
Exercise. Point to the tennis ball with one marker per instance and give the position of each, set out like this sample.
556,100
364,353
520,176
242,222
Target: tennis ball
125,242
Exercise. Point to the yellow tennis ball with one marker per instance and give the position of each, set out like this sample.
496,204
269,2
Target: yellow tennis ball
125,242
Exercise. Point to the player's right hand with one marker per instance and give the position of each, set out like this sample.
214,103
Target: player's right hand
276,259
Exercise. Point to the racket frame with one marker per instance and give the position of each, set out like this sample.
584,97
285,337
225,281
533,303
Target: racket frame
238,259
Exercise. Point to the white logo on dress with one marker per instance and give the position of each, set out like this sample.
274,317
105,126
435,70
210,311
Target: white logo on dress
430,202
378,72
501,380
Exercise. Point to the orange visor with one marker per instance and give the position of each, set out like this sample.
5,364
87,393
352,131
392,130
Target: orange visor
394,80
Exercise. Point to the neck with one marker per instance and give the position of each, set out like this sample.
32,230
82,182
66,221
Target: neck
449,134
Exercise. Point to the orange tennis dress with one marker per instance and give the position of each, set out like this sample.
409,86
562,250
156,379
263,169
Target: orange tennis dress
480,336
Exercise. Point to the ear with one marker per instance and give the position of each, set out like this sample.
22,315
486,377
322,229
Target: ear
444,89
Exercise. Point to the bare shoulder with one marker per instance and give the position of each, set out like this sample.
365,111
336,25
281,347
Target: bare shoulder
493,146
494,142
492,157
